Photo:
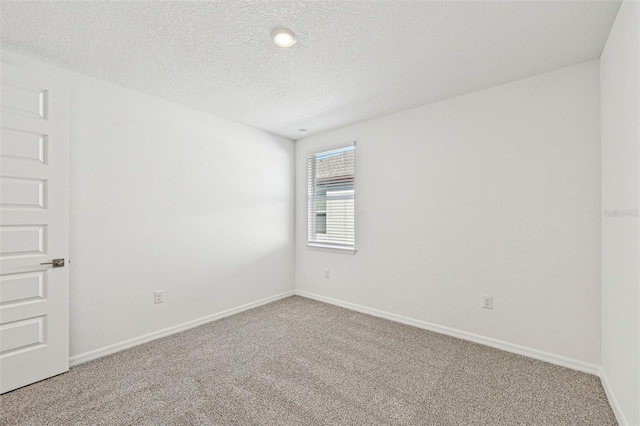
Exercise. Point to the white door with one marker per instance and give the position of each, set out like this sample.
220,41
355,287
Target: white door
34,227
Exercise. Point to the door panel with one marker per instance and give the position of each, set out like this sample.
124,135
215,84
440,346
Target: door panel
34,227
21,97
22,145
21,287
22,193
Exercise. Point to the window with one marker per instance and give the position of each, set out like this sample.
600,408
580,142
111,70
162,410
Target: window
331,190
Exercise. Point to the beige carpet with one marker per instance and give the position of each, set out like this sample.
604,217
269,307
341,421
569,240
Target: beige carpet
301,362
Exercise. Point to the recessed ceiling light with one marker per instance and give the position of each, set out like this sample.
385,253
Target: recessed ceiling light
283,37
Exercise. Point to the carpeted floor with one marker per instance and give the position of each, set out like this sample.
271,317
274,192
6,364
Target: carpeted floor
301,362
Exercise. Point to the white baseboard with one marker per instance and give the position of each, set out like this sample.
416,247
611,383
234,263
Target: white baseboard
613,402
488,341
107,350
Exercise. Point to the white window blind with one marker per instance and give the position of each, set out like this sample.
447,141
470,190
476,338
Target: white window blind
331,191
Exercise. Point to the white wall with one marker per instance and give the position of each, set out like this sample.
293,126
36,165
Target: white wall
620,96
166,197
496,192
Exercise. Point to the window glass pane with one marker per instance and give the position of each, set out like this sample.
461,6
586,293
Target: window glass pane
321,223
331,186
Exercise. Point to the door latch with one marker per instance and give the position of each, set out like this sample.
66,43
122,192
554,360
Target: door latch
56,263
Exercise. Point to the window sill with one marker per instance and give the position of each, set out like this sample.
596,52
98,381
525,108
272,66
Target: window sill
330,248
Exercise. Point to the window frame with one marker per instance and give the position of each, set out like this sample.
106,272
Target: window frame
311,217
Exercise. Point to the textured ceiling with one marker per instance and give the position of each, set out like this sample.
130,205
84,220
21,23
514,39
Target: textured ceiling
354,60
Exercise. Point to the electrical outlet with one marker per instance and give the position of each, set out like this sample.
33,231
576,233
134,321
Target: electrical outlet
327,273
487,302
159,296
